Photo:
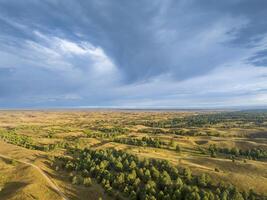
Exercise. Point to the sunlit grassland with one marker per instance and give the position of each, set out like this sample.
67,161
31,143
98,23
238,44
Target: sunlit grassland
51,133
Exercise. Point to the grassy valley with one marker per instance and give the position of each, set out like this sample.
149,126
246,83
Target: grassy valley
128,154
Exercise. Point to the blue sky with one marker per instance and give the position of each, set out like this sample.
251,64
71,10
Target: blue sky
184,54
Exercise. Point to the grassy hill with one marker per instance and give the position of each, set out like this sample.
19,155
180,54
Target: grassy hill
228,147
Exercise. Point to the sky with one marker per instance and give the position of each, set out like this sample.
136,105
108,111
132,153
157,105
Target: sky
136,54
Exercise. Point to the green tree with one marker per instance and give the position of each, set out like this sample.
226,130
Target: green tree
147,175
132,165
87,181
202,180
76,180
155,173
188,174
177,148
118,166
165,179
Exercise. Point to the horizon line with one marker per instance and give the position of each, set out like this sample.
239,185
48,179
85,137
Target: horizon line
219,108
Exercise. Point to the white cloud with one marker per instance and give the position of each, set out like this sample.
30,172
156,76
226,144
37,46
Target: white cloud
58,54
184,57
70,47
225,86
82,68
94,57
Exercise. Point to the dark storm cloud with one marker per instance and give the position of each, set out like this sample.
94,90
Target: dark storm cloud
56,52
254,11
259,59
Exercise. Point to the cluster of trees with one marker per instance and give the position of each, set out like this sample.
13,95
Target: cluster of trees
180,131
145,141
152,130
183,122
149,142
115,129
27,142
19,140
255,153
51,147
228,119
102,132
80,179
124,175
193,132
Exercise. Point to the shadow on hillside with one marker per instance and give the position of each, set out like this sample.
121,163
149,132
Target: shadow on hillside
6,160
99,144
10,189
258,135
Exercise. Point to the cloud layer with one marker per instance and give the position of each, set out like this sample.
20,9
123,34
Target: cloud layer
133,53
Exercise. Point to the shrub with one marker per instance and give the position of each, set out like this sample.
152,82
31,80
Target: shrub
87,181
217,170
76,180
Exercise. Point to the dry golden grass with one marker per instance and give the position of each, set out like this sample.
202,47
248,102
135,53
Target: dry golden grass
20,181
24,182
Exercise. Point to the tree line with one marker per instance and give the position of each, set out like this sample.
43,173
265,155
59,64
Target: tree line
226,119
103,132
149,142
255,153
27,142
